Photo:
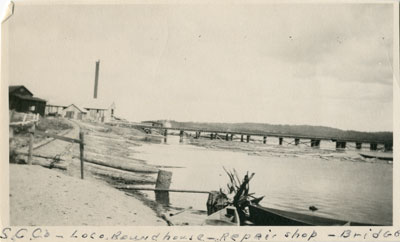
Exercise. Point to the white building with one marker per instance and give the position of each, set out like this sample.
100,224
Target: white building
75,112
55,109
93,110
100,112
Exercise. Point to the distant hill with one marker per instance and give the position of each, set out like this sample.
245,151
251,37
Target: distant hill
301,130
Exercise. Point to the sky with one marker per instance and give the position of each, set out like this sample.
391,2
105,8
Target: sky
315,64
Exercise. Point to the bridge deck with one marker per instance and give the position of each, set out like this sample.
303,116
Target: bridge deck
267,134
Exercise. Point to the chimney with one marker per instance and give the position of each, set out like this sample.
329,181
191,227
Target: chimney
96,79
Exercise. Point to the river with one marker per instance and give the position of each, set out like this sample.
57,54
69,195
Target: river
341,185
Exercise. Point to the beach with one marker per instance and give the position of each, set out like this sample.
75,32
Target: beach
41,196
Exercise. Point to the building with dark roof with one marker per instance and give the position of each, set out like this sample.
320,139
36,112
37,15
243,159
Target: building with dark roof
21,99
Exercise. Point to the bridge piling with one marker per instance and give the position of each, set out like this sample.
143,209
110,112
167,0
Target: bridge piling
241,138
296,141
181,136
373,146
340,144
388,147
248,138
265,139
358,145
315,143
280,140
232,137
165,135
227,137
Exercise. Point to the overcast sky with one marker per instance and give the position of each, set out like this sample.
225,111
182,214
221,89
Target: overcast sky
316,64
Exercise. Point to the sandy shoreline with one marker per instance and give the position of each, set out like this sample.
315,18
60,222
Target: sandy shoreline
42,196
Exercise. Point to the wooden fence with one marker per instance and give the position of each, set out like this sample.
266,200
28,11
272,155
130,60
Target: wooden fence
28,121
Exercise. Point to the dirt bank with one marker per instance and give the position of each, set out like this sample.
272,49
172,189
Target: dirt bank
40,196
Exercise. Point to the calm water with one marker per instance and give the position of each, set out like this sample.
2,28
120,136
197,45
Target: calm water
340,184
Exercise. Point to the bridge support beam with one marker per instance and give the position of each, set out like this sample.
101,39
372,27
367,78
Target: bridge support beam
358,145
241,138
315,143
181,136
340,144
296,141
373,146
280,140
248,138
265,139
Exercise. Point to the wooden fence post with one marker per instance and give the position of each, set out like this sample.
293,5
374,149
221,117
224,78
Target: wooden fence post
163,181
31,138
81,149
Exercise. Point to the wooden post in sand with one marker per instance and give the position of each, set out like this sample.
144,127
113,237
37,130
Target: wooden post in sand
31,138
81,149
163,182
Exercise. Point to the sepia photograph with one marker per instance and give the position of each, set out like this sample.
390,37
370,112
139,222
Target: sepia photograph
180,114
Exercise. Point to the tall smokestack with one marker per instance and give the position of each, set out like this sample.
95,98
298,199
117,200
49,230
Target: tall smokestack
96,79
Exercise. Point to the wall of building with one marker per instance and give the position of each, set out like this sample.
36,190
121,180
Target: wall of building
73,112
26,106
54,110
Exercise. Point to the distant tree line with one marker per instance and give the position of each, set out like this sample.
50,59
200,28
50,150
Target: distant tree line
301,130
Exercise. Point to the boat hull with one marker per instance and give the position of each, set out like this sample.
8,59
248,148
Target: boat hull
380,157
262,216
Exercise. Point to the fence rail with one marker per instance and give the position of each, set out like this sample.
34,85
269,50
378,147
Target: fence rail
27,119
32,132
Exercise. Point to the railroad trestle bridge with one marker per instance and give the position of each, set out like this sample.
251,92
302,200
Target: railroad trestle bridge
314,141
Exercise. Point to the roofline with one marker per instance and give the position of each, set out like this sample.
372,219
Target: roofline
16,86
55,105
96,108
32,98
76,107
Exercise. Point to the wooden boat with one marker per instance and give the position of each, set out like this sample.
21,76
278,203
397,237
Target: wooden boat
225,217
261,216
380,156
